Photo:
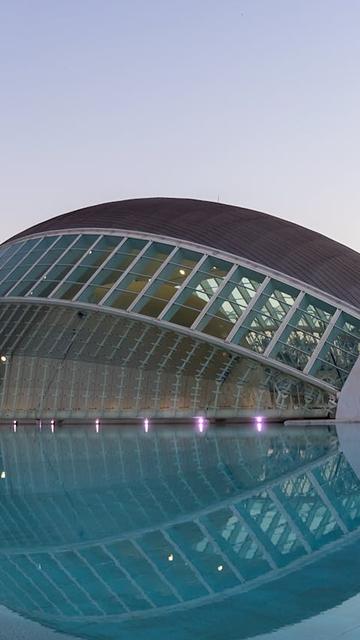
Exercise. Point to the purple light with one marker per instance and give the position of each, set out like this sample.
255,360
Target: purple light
201,424
259,423
146,425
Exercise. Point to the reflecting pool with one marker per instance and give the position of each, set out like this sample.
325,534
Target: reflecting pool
232,532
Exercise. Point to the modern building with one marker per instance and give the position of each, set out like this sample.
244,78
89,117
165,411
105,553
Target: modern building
171,308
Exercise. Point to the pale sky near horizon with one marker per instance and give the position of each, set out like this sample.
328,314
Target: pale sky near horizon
254,102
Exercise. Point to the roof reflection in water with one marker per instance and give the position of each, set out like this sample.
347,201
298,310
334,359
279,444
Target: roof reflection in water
131,534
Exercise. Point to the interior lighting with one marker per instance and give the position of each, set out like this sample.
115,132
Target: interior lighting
3,475
15,425
97,425
259,423
220,567
182,272
171,557
146,425
3,358
52,425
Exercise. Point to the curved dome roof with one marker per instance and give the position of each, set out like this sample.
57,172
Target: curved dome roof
265,239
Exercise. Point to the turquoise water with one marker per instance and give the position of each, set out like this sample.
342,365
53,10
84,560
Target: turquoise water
231,533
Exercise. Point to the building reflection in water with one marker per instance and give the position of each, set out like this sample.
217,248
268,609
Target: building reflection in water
126,533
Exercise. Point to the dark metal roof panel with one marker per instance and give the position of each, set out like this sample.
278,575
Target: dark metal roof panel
265,239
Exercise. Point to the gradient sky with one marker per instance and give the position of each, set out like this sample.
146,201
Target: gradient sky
253,102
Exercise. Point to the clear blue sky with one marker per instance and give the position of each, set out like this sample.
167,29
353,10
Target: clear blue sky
256,102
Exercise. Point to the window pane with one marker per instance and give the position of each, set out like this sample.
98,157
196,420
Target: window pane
49,258
112,271
63,266
139,276
303,333
166,285
17,257
266,317
26,263
202,286
87,267
230,304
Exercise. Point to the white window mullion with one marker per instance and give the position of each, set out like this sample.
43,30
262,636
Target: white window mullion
248,309
23,277
322,341
102,266
214,297
284,323
44,275
21,261
66,277
153,278
183,286
130,267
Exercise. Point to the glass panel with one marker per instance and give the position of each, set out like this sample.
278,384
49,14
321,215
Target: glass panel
230,304
340,352
139,276
63,266
112,271
330,373
87,267
168,283
303,333
202,286
17,257
26,263
48,259
266,317
7,252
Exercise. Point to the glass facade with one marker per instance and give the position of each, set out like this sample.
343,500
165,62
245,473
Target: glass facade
184,287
